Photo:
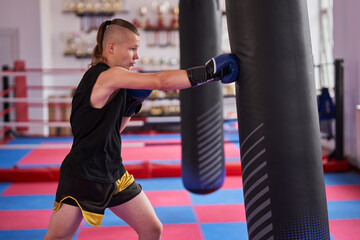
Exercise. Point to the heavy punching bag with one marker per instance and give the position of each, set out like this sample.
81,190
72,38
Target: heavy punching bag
202,135
283,182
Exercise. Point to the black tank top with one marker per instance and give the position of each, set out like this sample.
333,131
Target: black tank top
96,151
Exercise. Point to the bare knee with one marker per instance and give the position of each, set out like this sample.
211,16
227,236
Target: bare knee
152,232
157,229
63,223
52,236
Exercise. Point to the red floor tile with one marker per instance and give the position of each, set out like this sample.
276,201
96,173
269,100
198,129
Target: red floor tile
170,152
220,213
169,198
182,232
44,156
343,193
345,229
232,182
170,232
31,188
231,150
108,233
155,141
29,219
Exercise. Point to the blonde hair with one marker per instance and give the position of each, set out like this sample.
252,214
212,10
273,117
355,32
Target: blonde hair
98,50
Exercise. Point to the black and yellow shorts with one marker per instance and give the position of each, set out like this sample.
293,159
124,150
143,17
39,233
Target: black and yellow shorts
94,197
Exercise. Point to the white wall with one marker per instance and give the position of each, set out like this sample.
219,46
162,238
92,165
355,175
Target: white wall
346,46
25,16
42,23
54,24
313,12
59,23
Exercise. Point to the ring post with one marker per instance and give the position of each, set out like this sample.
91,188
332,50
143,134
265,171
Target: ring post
21,92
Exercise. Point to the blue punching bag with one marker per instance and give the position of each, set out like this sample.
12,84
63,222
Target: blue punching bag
283,180
202,137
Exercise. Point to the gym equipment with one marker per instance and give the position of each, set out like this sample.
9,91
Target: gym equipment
338,152
326,106
283,182
326,109
203,161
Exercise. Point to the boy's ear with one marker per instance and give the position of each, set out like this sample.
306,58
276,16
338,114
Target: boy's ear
111,47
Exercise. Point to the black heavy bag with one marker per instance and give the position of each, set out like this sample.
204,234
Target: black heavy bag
202,136
284,190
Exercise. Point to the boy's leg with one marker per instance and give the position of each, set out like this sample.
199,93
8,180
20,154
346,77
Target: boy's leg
64,223
140,215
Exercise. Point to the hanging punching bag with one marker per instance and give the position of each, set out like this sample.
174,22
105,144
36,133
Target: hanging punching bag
283,182
202,135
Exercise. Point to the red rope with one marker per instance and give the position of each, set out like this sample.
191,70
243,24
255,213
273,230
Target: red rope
7,91
39,87
55,70
4,130
8,110
47,70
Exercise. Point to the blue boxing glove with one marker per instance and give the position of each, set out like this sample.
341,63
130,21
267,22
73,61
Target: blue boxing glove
224,67
134,100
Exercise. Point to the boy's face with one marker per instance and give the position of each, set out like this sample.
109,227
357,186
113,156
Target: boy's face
126,52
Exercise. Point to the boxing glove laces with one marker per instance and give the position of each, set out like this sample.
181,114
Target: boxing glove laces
224,67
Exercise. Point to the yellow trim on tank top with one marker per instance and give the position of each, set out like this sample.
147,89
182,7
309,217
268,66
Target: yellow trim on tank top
94,219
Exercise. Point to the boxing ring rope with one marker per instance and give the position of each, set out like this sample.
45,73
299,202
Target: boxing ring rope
51,102
4,130
35,100
29,102
37,81
62,146
7,111
37,71
7,91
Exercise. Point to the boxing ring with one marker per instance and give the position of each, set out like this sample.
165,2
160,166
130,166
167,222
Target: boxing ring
29,168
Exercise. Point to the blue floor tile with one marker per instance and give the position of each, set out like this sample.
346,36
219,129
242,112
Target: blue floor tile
3,187
38,140
344,210
34,234
175,215
225,231
342,178
161,184
33,202
9,157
